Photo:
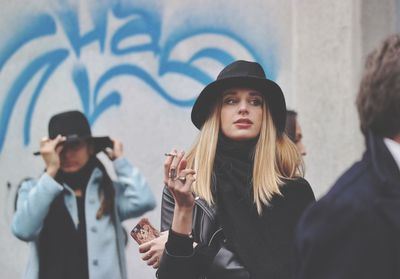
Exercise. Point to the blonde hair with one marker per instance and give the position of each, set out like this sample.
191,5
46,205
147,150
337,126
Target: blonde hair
276,158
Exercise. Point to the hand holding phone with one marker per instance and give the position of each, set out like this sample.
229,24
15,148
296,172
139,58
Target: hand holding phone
144,231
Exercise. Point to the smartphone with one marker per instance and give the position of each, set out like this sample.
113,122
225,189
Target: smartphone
144,231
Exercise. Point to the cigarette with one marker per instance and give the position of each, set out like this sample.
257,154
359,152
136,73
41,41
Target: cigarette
169,154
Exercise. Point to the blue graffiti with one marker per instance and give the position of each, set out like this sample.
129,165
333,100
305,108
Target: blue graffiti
51,61
220,55
142,24
136,23
68,17
81,81
39,26
132,70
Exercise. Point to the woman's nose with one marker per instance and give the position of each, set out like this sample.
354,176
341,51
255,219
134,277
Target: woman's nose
66,153
301,148
243,108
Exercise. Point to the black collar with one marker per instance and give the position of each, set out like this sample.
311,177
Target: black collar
383,164
387,172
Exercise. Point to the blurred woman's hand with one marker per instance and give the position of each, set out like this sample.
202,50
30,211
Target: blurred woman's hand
50,150
115,152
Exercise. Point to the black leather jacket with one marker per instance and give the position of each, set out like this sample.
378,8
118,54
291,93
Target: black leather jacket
283,215
207,231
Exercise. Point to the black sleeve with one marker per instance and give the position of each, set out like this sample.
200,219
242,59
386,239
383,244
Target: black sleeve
178,245
180,260
191,263
282,218
167,209
298,196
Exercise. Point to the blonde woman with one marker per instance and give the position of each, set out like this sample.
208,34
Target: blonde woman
232,203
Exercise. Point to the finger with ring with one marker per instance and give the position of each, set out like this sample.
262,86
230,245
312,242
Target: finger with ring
167,166
174,164
172,173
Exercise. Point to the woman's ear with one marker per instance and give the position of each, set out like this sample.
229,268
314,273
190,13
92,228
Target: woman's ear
91,149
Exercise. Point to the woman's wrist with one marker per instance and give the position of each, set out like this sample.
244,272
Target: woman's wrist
52,171
182,221
184,235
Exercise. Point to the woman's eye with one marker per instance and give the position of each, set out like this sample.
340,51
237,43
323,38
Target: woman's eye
256,102
229,101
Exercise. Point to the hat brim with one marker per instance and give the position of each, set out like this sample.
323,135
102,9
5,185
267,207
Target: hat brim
209,95
98,143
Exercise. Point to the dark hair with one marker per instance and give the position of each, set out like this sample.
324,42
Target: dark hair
378,100
106,192
290,127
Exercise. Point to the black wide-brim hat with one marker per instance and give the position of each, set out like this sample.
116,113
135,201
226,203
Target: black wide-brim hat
75,127
243,74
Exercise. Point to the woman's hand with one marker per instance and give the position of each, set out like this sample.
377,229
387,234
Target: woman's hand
152,251
50,150
115,152
179,181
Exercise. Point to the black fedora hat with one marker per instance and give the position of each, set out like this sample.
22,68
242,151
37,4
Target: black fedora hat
75,127
241,74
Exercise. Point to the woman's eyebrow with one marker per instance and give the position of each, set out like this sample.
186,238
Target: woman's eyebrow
229,92
255,93
233,92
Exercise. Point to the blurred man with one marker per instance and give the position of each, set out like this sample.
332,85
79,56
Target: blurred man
354,231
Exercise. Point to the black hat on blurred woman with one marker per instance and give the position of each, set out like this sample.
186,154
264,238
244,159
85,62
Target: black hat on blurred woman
241,74
75,127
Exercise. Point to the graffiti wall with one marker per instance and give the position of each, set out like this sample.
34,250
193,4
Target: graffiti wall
133,67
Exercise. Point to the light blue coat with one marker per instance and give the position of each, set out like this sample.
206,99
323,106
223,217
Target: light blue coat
105,242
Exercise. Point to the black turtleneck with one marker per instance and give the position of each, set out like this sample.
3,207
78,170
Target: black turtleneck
263,243
241,150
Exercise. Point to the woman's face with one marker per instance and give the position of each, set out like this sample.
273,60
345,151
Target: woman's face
241,113
298,140
74,156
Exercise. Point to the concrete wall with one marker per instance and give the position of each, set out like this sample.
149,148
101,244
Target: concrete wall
326,37
330,42
146,61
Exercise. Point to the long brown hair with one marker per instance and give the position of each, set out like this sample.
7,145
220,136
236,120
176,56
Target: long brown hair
290,126
106,193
